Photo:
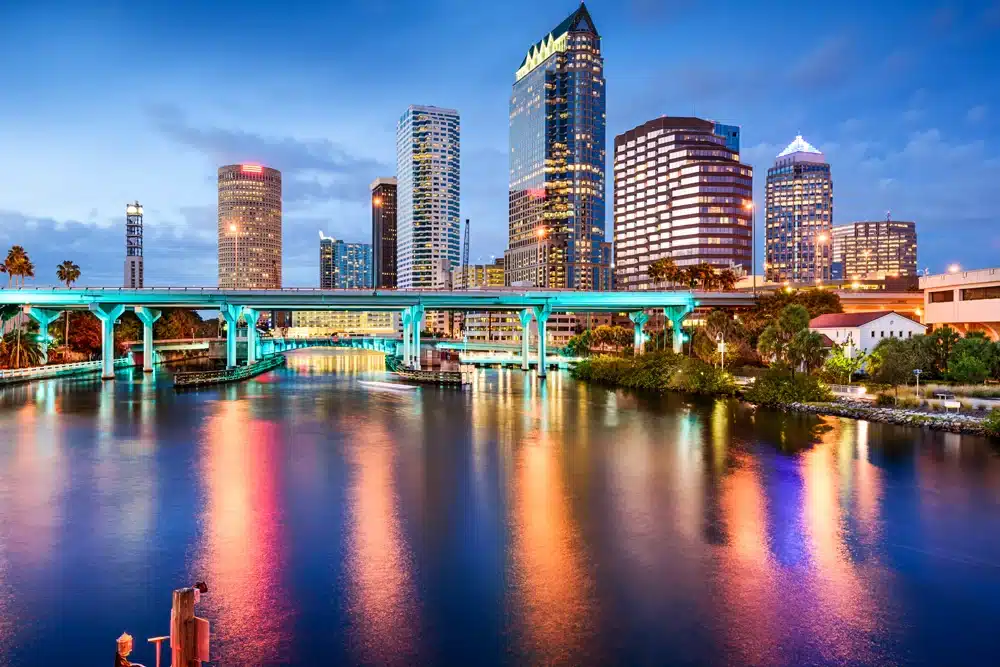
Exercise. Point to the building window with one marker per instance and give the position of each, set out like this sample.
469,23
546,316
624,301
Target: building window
980,293
944,297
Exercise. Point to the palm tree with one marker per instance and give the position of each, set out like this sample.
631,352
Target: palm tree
806,350
18,265
68,273
655,271
17,349
726,280
671,273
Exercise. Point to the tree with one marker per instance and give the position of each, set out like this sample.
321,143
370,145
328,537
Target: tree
21,351
68,273
806,350
85,335
892,363
18,266
774,340
842,367
968,369
941,342
719,326
726,280
977,346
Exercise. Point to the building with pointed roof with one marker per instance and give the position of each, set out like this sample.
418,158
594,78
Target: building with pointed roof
556,200
799,215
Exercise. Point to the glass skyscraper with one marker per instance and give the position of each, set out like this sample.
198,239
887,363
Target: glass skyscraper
557,162
875,250
427,196
344,265
799,215
249,227
384,232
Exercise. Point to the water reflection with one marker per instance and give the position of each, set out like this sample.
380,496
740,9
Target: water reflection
242,551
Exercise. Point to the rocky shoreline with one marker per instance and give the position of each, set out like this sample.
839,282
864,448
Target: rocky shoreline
953,423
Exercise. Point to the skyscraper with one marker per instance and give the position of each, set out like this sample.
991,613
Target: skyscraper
680,193
133,246
384,232
557,162
249,227
344,265
875,250
427,174
799,215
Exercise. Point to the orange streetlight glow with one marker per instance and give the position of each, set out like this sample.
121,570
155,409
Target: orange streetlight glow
954,268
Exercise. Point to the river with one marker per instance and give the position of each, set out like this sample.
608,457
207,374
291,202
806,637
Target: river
516,522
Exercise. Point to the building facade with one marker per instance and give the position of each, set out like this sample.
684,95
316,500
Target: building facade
344,265
428,190
864,331
331,322
480,276
557,162
249,227
799,215
967,301
384,232
874,250
680,193
134,277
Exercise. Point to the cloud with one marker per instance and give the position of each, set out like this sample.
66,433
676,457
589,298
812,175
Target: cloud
348,175
977,114
833,63
912,115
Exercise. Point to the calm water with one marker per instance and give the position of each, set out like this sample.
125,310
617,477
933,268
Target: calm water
515,523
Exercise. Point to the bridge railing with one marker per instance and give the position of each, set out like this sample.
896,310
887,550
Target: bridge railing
53,370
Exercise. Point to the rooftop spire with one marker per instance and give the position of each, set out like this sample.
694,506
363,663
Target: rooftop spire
800,145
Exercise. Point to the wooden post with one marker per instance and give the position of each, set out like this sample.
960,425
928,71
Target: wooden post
183,644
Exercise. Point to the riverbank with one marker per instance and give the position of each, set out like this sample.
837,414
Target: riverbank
950,422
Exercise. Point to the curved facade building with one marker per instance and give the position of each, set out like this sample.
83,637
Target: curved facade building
249,227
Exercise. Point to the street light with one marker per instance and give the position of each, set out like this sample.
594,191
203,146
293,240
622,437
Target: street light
954,268
917,372
753,242
720,338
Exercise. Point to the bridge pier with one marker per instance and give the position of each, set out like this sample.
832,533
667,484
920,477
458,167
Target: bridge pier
44,317
231,314
418,316
542,314
407,331
525,317
639,319
251,316
148,317
108,314
676,315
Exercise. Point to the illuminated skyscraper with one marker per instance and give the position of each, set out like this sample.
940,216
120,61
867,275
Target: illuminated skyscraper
384,232
249,227
557,162
427,175
875,250
133,246
681,193
344,265
799,215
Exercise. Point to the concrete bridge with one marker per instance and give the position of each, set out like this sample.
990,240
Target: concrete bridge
45,304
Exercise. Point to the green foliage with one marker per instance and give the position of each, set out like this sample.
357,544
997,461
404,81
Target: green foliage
840,368
651,372
992,423
885,400
17,266
779,387
908,402
966,368
697,377
806,350
892,362
775,340
84,333
706,340
20,349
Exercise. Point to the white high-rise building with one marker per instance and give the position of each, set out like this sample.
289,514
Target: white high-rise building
427,173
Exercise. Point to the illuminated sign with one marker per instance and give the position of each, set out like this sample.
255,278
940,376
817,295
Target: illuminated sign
251,169
538,53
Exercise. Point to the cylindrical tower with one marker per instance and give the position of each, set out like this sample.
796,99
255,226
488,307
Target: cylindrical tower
133,246
249,227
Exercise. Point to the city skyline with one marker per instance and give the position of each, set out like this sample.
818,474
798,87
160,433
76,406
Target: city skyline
899,130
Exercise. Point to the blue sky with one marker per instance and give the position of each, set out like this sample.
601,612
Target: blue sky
105,102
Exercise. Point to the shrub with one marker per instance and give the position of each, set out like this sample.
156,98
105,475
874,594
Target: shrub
697,377
885,400
650,372
992,423
909,402
778,387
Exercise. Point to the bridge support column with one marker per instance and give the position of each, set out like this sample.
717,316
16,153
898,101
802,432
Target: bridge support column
542,314
251,316
418,316
44,317
407,333
525,317
148,317
639,319
231,314
676,315
108,314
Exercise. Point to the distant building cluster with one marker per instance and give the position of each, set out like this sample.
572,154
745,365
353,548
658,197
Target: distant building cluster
344,265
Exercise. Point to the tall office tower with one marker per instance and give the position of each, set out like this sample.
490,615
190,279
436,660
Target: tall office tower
731,133
681,194
557,162
875,250
249,227
799,215
384,232
133,246
344,265
427,172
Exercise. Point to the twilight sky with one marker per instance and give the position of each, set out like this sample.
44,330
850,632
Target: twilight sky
103,102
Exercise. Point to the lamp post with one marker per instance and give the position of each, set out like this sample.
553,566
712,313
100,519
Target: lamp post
236,267
822,237
720,338
916,373
753,243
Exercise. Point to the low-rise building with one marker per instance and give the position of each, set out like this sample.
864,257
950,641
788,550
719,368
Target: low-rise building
331,322
864,331
964,300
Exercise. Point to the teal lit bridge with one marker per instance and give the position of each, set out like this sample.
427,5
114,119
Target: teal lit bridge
44,305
